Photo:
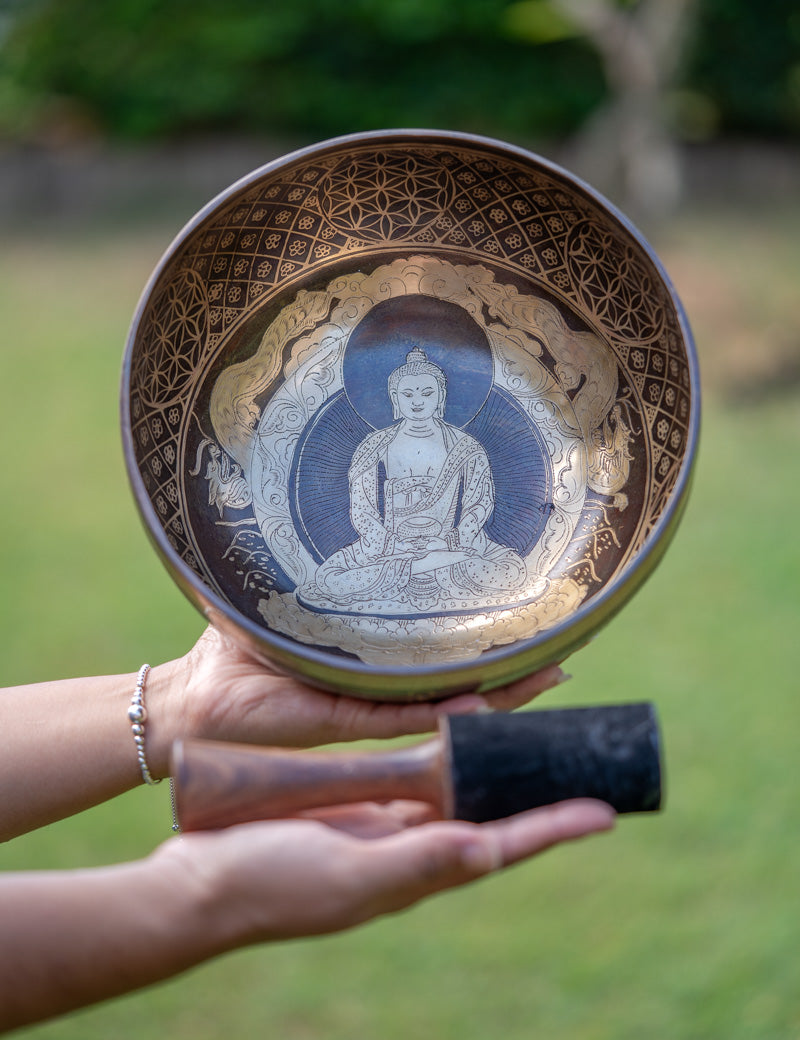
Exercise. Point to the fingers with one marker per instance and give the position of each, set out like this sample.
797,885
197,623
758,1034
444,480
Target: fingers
532,832
410,866
371,820
507,698
355,719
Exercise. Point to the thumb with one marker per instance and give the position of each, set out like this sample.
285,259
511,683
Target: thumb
415,863
403,868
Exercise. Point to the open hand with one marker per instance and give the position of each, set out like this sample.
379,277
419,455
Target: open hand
220,693
289,878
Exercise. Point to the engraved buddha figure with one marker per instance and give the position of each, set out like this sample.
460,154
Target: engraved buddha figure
421,493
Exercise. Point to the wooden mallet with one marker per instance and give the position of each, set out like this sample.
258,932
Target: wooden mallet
479,767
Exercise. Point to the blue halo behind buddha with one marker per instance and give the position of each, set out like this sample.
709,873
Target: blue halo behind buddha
453,342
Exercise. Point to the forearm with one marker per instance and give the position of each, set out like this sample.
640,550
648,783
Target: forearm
68,745
72,939
69,939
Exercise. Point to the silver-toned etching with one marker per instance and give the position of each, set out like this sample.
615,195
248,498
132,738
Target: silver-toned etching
378,469
227,485
421,492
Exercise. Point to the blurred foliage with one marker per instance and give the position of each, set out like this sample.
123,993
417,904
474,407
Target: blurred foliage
148,69
143,68
745,59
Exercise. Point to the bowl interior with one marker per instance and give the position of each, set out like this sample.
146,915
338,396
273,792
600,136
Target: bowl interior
409,412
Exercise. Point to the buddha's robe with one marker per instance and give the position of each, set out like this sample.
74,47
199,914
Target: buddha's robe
396,518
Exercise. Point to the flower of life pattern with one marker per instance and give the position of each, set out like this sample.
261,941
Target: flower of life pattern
385,196
173,339
613,285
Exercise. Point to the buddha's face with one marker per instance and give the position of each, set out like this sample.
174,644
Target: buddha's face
417,397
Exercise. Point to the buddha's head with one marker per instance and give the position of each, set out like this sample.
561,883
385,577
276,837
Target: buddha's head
418,388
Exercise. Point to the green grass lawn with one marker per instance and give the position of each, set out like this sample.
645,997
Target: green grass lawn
680,926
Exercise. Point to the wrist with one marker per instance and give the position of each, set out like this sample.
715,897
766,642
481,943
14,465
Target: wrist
164,698
177,931
206,911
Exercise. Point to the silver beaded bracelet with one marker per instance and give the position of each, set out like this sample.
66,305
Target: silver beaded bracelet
137,713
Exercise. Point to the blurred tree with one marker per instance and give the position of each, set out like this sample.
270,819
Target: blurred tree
627,147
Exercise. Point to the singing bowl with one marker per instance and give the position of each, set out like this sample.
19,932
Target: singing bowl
410,413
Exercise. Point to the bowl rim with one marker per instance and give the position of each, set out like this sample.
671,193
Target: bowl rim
603,604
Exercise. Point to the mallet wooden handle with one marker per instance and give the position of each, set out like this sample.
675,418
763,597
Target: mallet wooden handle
218,784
